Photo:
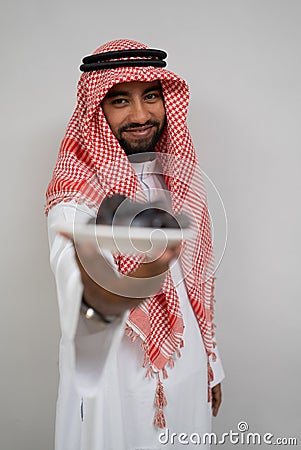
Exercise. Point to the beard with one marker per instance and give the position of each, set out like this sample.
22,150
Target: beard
142,145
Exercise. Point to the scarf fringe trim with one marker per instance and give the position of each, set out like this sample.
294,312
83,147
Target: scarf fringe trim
160,403
160,399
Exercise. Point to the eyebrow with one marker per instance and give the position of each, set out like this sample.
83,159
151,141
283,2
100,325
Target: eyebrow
126,93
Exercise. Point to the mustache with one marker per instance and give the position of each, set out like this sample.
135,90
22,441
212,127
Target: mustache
133,125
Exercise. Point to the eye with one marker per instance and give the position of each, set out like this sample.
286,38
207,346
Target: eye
119,101
152,96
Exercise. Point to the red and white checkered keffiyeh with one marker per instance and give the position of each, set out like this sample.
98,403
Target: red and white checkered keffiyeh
91,165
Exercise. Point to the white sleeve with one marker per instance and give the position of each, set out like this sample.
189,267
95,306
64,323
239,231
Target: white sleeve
85,345
218,370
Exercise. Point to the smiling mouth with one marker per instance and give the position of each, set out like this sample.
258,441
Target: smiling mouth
139,131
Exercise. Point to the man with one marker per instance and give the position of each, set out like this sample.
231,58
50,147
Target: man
128,135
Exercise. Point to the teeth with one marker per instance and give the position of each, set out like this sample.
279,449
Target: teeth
139,130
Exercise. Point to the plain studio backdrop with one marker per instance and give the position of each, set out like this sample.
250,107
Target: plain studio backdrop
241,59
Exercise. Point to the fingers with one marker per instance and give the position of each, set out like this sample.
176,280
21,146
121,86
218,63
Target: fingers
112,293
156,266
216,399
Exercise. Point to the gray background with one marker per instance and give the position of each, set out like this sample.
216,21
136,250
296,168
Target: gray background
242,61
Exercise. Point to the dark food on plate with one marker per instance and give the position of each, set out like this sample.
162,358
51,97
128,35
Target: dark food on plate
120,210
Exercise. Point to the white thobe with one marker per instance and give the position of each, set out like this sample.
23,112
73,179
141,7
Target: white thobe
105,402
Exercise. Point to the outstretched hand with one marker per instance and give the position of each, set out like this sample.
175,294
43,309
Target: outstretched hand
111,293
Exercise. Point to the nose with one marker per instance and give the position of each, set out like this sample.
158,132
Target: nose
139,112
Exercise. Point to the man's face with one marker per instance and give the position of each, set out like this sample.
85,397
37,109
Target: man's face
136,115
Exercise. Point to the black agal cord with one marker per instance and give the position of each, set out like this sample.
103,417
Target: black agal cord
111,60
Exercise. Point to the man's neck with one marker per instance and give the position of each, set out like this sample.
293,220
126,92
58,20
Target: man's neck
142,157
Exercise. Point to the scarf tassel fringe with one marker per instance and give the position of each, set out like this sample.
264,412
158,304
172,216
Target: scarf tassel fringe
160,403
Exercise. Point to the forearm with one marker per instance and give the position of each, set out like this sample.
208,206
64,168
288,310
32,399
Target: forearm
86,346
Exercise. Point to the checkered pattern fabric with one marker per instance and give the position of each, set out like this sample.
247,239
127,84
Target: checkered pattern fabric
91,165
